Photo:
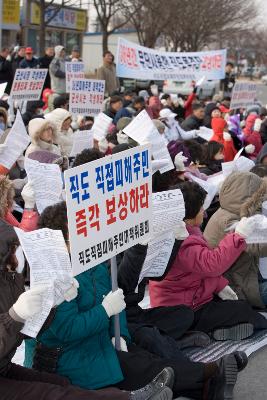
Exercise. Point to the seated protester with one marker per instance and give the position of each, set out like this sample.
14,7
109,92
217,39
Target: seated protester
211,111
127,97
91,360
235,131
195,120
155,105
262,156
115,105
213,158
196,279
173,130
241,195
62,120
220,128
61,101
16,306
83,329
121,136
7,192
176,107
252,137
34,109
43,135
139,104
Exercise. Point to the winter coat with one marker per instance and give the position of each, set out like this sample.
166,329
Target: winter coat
35,128
57,72
218,125
44,62
241,195
196,273
11,287
188,105
33,63
192,122
83,331
64,138
251,136
262,154
263,131
6,73
16,62
107,73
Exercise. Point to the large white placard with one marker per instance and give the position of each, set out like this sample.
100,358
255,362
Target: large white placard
74,70
244,94
28,84
86,96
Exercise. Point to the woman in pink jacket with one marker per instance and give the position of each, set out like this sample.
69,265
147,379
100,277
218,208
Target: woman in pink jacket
195,278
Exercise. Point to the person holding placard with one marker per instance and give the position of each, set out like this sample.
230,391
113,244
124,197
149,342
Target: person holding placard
62,119
57,71
43,134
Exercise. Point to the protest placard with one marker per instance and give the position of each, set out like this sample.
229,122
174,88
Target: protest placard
86,96
138,62
109,204
2,89
142,130
101,124
74,70
16,142
82,140
50,266
205,133
244,95
46,181
28,84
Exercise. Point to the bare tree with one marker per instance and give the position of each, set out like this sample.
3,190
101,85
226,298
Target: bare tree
194,24
44,22
109,17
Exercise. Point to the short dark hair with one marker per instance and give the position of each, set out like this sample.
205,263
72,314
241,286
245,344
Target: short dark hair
115,99
107,52
194,197
230,63
212,148
196,150
139,99
55,217
60,101
260,170
165,96
86,156
197,106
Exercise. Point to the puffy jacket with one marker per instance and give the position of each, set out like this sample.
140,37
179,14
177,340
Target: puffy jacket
251,136
35,128
83,331
241,195
65,138
107,73
196,273
57,72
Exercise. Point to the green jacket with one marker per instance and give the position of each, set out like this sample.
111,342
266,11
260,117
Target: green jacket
82,329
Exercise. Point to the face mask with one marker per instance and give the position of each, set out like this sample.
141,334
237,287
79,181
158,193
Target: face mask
2,126
21,259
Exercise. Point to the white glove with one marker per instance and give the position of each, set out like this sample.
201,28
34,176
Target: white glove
179,161
250,148
69,294
19,183
114,302
245,227
103,145
28,196
2,148
227,294
257,125
180,231
227,137
122,342
122,138
29,303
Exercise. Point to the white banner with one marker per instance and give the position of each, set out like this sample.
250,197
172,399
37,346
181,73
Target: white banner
109,204
138,62
86,96
28,84
74,70
244,94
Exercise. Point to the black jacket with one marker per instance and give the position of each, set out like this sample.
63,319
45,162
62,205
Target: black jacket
44,62
6,73
191,123
16,62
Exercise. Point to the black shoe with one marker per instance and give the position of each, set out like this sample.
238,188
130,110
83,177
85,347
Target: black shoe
193,339
152,392
236,332
165,377
241,360
221,386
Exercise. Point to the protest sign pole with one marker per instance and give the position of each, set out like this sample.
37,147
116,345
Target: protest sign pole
114,282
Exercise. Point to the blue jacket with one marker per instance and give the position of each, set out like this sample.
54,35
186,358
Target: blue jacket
83,331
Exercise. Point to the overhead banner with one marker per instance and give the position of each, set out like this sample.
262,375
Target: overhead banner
109,203
138,62
28,84
86,96
74,70
244,95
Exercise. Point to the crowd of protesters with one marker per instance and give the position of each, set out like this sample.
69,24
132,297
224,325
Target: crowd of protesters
211,290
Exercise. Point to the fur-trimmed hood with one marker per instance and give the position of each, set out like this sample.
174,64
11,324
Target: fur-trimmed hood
243,193
58,116
37,126
6,195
